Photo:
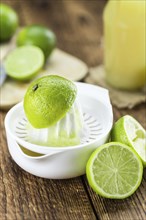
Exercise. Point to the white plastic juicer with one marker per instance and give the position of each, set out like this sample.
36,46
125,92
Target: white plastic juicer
61,162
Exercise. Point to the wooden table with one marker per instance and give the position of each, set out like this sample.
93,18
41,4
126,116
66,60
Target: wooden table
78,26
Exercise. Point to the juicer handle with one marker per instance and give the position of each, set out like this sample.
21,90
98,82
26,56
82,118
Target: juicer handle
103,95
95,91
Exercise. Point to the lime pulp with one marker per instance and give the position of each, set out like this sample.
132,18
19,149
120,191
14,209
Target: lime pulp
114,171
129,131
24,62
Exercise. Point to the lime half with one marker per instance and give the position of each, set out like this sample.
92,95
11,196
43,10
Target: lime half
48,99
128,131
24,62
114,171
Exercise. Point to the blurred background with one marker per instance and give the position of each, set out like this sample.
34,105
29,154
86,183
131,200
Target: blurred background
78,24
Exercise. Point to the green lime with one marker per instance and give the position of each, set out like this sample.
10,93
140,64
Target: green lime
39,36
114,171
48,99
8,22
128,131
24,62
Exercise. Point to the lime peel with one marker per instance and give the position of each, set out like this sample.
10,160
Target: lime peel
48,99
39,36
8,22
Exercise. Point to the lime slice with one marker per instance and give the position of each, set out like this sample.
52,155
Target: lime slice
48,99
114,171
128,131
24,62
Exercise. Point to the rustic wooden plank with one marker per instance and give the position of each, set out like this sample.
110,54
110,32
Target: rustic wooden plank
89,41
24,196
132,208
78,26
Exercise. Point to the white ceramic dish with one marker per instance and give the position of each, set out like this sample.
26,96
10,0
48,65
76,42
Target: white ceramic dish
63,162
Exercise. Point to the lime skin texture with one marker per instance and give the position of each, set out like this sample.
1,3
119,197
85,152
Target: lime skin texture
39,36
48,99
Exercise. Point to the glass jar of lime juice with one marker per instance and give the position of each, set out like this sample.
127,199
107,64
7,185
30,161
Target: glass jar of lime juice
125,43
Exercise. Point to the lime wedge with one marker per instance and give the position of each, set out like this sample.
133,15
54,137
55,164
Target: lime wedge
24,62
114,171
48,99
128,131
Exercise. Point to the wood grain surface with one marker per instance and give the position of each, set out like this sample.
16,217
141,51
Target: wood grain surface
78,26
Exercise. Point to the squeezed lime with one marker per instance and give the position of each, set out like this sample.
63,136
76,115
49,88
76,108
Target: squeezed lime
48,99
129,131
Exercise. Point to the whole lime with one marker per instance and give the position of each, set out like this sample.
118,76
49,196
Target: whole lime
8,22
48,99
39,36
